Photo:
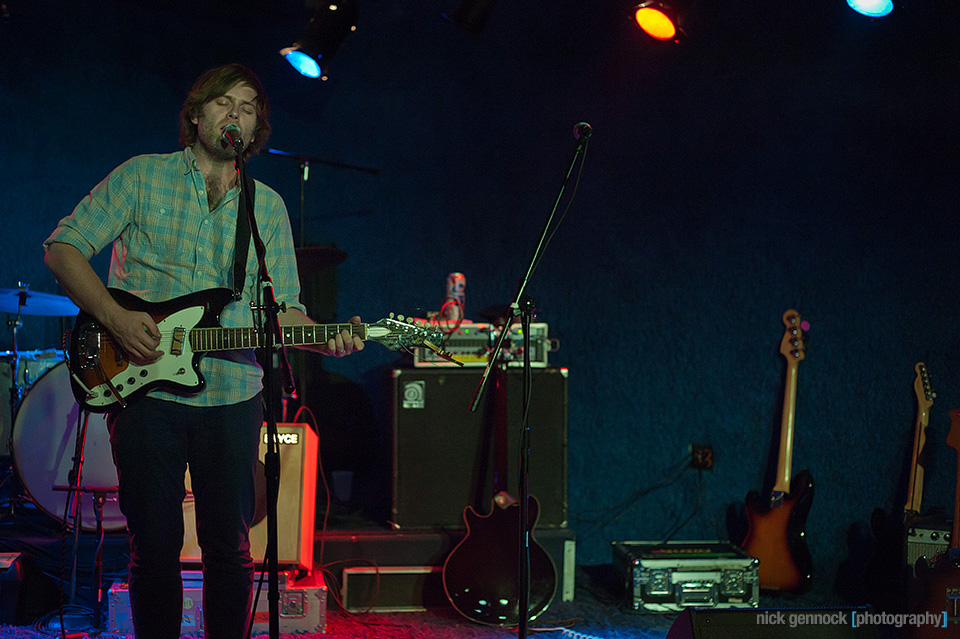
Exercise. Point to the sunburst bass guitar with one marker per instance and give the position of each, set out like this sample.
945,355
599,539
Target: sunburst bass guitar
103,378
776,520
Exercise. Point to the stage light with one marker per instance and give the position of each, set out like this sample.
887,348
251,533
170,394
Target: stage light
662,20
326,32
872,8
472,15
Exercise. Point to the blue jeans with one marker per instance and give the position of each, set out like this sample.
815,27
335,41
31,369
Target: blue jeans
153,441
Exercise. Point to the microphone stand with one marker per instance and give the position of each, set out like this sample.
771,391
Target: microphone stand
270,329
522,306
305,161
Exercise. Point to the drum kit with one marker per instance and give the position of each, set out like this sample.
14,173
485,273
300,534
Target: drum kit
43,441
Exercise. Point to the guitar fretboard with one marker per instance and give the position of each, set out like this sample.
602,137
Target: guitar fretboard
227,339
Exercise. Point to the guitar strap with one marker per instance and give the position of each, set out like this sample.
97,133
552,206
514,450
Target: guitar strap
242,245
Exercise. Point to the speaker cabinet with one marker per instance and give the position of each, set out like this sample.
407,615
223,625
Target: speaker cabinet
443,454
771,623
296,503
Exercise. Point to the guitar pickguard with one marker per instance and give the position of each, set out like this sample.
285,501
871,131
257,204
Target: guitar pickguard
97,359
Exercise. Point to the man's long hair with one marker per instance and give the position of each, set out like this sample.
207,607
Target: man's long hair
212,85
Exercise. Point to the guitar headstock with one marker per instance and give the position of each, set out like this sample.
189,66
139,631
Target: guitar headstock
396,332
792,346
922,387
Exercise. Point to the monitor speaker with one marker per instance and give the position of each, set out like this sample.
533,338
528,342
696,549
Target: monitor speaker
296,503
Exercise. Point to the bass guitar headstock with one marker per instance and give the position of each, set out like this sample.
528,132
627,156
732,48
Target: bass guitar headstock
792,345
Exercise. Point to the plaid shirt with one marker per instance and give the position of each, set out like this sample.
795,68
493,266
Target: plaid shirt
167,243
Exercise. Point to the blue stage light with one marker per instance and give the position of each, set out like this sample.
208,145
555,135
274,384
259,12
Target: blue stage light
872,8
303,63
327,30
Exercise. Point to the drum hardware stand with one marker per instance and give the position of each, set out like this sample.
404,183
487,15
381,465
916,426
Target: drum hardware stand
99,498
16,393
74,491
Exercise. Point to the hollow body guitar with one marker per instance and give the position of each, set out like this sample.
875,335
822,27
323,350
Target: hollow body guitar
776,521
481,575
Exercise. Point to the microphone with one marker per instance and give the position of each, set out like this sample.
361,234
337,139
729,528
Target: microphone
231,137
582,130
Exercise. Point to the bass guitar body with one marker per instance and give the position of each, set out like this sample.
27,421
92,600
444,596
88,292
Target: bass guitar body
776,536
482,573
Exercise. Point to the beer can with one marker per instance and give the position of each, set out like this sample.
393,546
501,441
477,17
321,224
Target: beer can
456,296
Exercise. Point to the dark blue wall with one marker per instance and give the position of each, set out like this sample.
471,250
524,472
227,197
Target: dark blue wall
787,155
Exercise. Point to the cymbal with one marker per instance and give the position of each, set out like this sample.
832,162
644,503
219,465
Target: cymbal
313,259
35,303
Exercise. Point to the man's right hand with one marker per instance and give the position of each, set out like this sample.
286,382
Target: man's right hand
135,331
136,334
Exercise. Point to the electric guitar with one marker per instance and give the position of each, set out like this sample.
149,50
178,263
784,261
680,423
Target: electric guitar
481,575
888,572
103,378
925,395
775,533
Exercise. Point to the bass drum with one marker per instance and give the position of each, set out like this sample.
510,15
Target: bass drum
43,445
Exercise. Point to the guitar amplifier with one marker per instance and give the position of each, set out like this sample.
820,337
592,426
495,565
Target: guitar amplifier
296,502
929,540
669,577
443,454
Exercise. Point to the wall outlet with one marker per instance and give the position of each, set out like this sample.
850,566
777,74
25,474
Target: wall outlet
701,456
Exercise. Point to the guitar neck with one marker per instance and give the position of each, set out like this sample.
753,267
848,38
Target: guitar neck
792,348
925,395
227,339
785,456
915,486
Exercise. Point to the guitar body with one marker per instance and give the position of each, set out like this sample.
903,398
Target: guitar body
96,362
482,573
939,589
776,536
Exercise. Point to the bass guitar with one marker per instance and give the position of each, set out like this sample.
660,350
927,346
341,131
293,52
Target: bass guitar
481,575
103,378
776,521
